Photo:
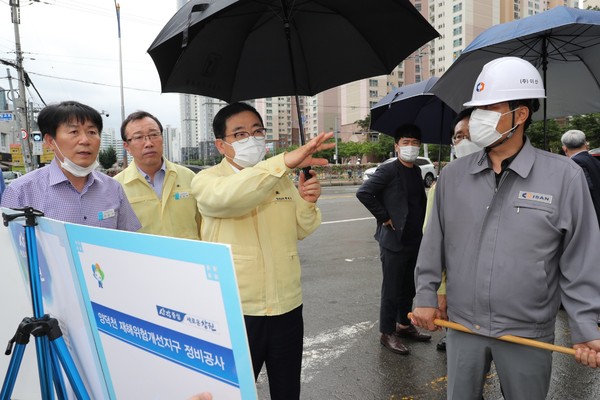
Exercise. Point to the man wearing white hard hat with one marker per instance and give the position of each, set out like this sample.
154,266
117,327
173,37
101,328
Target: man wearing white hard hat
510,225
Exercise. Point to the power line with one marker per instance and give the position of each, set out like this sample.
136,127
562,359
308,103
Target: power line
92,83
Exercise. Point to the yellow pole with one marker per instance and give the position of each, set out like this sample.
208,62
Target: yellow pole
506,338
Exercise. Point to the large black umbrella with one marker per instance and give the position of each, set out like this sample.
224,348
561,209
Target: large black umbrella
415,104
248,49
563,43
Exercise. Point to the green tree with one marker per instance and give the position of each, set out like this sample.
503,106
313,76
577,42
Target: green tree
327,154
108,157
434,152
383,148
588,124
535,132
349,149
364,124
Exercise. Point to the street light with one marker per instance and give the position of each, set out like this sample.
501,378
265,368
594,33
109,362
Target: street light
118,10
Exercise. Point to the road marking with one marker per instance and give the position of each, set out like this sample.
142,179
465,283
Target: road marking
336,196
322,349
346,220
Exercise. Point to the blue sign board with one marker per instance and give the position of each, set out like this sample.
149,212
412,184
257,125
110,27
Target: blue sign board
6,117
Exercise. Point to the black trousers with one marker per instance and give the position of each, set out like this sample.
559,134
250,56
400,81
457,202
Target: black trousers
277,341
397,287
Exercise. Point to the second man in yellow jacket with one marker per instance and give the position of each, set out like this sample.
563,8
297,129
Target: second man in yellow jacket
159,191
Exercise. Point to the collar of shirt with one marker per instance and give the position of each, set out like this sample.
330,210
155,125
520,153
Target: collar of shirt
56,176
521,163
159,178
233,167
581,151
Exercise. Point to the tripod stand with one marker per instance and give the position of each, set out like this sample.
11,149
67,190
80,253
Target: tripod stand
49,343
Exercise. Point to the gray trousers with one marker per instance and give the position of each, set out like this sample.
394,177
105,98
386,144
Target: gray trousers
524,371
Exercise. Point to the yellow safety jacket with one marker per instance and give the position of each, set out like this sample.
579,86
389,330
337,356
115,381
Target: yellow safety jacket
175,214
259,212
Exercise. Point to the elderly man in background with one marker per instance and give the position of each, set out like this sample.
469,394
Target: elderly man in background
575,146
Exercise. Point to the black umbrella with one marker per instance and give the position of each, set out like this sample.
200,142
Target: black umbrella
415,104
248,49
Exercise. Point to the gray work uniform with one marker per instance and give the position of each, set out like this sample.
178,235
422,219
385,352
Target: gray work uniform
514,251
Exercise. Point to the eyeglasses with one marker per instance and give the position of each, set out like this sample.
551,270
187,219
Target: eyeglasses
153,137
243,136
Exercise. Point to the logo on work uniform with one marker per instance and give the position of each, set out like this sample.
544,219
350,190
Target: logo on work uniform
480,86
539,197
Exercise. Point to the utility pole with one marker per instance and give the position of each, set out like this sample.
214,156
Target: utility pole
118,10
337,129
20,104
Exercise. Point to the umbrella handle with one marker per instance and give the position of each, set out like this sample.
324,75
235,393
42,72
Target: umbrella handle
307,174
506,338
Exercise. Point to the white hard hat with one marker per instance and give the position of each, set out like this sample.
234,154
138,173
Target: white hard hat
505,79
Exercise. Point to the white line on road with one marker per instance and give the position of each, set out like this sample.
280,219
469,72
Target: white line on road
322,349
346,220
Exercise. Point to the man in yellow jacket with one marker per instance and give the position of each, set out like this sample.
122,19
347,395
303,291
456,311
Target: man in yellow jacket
158,190
254,206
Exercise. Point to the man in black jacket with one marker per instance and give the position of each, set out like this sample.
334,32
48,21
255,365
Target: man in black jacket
575,146
395,195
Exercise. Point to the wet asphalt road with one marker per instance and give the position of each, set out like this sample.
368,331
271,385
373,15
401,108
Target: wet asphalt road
343,358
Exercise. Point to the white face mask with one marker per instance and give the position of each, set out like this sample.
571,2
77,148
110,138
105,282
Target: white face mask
250,153
465,147
482,127
408,153
74,169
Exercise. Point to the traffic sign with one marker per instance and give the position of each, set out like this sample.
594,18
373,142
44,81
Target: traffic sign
36,136
24,134
6,117
37,149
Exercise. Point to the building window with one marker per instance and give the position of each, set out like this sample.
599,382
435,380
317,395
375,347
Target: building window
457,19
372,104
457,42
457,7
373,83
373,93
457,31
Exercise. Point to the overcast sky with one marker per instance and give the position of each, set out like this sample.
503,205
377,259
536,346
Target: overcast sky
71,52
